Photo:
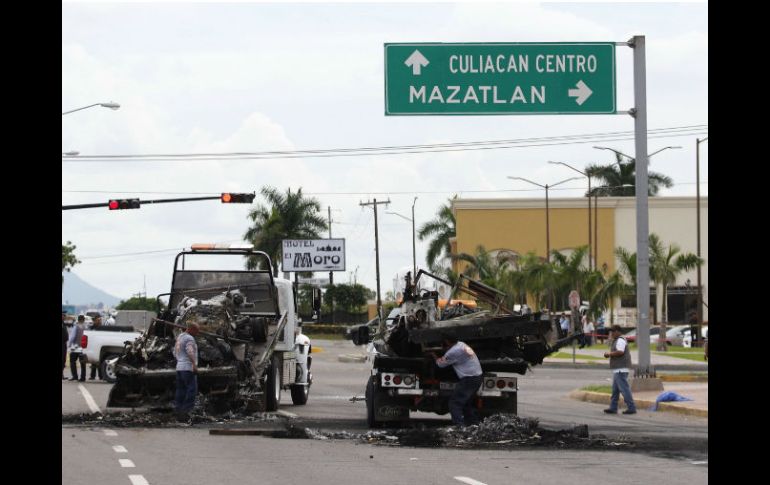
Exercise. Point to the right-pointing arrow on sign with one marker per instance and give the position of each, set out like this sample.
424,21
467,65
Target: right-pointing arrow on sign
416,61
581,93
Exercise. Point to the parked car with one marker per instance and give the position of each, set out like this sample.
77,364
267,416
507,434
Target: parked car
631,336
674,335
687,337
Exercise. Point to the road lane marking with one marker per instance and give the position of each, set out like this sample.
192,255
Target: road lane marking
138,480
126,463
89,399
469,481
120,449
110,432
286,413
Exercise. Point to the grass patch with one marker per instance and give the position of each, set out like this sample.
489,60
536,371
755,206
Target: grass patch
565,355
698,357
604,389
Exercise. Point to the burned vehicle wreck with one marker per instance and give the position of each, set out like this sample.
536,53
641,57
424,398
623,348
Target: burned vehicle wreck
247,349
405,378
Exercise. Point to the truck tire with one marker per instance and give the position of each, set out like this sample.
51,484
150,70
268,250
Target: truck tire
273,387
371,390
299,393
108,371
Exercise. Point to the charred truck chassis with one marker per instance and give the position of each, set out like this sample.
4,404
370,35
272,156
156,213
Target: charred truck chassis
405,378
246,348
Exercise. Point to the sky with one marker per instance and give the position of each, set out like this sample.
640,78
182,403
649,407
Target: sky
251,77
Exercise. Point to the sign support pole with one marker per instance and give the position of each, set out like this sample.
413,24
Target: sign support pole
642,215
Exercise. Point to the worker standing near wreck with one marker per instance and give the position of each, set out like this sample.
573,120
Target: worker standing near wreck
468,369
186,355
620,363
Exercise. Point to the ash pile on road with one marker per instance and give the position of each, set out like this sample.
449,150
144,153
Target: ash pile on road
166,418
497,431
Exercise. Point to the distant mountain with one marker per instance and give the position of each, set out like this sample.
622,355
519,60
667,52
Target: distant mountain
78,292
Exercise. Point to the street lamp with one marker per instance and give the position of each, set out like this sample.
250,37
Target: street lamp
590,244
414,250
547,219
632,158
111,105
697,231
596,214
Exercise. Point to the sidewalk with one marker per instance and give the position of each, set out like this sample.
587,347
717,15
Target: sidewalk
656,359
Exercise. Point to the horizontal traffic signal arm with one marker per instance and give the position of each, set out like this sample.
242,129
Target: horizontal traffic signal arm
115,204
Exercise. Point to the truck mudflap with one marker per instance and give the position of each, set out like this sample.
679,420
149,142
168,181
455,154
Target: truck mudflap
143,387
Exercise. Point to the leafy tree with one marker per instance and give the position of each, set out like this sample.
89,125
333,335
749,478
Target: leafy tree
68,259
441,230
611,288
618,174
486,267
139,303
347,297
287,215
666,263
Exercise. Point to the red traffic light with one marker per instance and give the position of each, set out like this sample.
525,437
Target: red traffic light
116,204
231,198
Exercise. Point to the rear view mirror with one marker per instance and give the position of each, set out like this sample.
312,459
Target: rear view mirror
361,335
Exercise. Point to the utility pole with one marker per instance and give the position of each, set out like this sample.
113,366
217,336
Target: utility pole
697,231
331,273
377,252
414,246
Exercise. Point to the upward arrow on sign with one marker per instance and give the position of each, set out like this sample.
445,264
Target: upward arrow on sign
416,61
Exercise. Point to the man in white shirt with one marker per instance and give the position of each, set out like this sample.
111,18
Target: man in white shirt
620,364
468,369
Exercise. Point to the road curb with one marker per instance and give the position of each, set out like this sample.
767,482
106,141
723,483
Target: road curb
678,367
674,378
601,398
358,358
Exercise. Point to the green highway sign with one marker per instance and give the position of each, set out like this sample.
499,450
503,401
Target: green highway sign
500,78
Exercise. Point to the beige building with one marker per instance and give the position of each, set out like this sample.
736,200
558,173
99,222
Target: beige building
519,226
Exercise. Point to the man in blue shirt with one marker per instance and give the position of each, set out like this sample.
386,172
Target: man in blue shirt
468,369
186,355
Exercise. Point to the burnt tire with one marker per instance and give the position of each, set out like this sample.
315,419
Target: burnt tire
371,390
299,394
273,385
108,371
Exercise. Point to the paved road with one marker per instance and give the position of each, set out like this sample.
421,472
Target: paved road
191,455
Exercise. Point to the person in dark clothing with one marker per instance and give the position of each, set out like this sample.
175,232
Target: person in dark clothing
64,337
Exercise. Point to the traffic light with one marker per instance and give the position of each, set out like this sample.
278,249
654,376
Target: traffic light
230,198
117,204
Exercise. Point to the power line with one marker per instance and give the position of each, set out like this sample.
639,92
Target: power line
395,150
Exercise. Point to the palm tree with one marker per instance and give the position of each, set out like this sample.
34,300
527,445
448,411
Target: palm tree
441,229
665,265
612,287
537,275
570,272
287,216
616,175
486,267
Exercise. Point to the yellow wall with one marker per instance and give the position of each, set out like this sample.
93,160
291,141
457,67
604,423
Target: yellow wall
524,230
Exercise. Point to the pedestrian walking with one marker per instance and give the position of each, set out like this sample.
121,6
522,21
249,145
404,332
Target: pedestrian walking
468,369
186,355
76,351
588,330
620,364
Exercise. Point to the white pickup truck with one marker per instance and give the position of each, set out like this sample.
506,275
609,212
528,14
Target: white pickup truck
102,345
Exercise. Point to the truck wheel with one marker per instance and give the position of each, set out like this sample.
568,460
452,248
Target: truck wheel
299,394
108,371
273,387
371,388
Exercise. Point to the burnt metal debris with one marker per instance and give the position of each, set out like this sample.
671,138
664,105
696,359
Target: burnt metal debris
232,351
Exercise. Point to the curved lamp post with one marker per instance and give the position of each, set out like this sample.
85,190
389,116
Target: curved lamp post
111,105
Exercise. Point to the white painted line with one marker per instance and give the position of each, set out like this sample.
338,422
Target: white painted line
120,449
110,432
700,463
469,481
138,480
127,463
89,399
286,413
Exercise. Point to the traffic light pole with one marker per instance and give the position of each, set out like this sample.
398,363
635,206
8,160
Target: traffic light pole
156,201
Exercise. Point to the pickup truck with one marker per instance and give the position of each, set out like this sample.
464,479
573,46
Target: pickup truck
102,345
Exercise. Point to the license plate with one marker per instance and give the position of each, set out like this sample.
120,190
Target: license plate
446,386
